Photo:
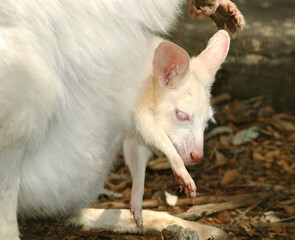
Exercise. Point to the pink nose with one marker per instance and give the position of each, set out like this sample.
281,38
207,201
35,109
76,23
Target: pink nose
195,157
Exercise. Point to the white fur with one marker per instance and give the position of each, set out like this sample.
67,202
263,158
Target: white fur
120,220
136,155
71,73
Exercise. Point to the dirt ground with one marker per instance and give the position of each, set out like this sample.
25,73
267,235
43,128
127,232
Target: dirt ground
248,173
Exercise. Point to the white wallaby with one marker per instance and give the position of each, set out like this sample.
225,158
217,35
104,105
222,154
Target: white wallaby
173,112
75,81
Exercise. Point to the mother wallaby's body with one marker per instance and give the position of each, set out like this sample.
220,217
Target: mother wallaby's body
70,77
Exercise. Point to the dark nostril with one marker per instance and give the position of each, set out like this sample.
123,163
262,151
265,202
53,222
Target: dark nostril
195,157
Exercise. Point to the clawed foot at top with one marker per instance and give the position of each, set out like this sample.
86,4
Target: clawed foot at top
200,9
224,13
228,16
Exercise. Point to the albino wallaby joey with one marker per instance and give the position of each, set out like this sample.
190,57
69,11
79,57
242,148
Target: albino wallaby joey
173,112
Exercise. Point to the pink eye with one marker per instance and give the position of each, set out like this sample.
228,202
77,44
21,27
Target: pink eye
181,116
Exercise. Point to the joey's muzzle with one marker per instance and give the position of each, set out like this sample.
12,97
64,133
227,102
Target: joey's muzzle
195,157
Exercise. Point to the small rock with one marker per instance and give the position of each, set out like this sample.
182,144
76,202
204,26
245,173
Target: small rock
219,131
176,232
270,217
246,135
171,199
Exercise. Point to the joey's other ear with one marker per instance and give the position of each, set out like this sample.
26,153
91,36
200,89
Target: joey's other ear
216,51
170,62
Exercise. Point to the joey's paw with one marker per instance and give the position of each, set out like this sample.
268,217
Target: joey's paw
136,211
228,16
189,188
200,9
185,182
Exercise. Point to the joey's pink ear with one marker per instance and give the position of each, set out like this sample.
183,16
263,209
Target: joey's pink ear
216,51
170,62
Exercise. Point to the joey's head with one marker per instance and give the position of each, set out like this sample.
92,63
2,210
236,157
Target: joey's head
182,93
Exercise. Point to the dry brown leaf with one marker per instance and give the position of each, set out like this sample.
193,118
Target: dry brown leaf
220,159
273,154
291,136
261,179
258,156
286,166
224,217
285,122
277,230
288,209
229,176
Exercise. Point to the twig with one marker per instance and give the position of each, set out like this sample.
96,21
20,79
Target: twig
287,219
268,186
251,207
270,225
109,205
196,212
110,193
221,99
257,225
152,203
